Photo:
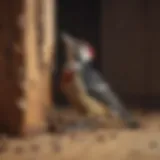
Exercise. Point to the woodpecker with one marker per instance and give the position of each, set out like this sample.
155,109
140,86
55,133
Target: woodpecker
88,84
73,87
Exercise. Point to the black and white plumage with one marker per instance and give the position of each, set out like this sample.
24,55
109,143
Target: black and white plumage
101,90
93,82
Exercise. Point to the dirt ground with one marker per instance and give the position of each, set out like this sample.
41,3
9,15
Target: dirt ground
113,143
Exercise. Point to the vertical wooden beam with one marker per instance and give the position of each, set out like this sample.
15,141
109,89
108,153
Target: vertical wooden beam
34,115
38,78
48,46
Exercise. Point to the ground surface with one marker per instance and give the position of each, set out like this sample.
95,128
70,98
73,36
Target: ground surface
112,143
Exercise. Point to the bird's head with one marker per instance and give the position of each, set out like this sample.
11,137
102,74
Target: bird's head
78,50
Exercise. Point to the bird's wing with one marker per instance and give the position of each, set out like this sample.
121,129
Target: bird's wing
101,91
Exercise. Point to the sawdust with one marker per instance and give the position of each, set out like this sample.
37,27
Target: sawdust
100,144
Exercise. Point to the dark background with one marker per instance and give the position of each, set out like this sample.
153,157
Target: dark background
126,35
81,19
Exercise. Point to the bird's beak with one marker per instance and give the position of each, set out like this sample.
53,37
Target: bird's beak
67,38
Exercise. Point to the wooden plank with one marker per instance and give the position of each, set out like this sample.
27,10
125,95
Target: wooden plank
48,47
34,115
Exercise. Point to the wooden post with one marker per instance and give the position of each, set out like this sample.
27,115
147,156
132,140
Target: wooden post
33,115
38,78
48,46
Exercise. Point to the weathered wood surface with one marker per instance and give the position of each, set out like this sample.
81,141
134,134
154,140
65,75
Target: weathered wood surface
113,144
38,64
10,62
